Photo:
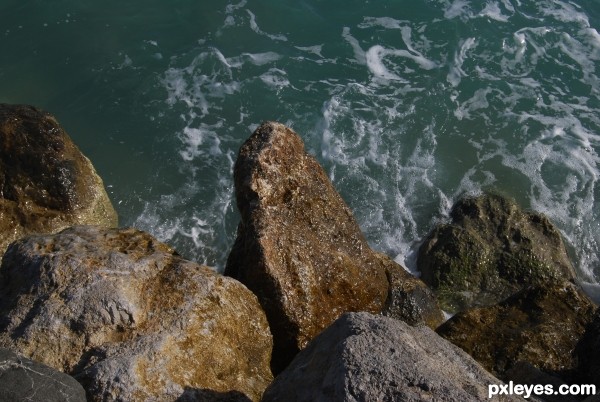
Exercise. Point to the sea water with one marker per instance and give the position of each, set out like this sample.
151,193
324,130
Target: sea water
408,105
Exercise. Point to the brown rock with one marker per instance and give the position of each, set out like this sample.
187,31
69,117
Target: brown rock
491,250
298,246
539,325
409,299
46,184
129,318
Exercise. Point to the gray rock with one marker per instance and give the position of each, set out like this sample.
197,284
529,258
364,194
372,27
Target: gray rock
363,357
46,183
130,319
22,379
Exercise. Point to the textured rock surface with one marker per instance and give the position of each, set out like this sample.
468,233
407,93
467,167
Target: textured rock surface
22,379
491,250
46,184
363,357
298,247
538,325
129,318
409,299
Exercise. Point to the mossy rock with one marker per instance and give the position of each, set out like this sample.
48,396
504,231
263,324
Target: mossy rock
46,183
540,325
491,250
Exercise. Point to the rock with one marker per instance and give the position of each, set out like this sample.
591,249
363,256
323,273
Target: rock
491,250
526,374
129,318
22,379
538,325
363,357
588,352
46,184
409,299
298,247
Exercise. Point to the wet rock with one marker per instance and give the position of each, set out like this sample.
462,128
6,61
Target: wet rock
22,379
539,325
130,319
46,184
363,357
491,250
298,247
409,299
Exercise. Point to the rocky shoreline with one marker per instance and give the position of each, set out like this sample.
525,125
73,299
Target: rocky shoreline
305,311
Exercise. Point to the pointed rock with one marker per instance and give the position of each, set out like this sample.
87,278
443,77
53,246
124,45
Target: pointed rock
298,246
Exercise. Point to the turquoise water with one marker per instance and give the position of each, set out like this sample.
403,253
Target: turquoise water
407,104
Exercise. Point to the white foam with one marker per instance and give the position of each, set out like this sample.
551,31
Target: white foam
359,53
255,28
316,49
564,12
374,58
492,11
377,53
275,78
385,22
458,8
456,71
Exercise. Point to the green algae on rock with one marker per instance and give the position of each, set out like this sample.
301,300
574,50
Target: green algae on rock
540,325
491,250
46,183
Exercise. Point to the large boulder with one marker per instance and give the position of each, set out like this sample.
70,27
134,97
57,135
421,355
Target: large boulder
363,357
130,319
22,379
46,184
491,250
540,325
298,247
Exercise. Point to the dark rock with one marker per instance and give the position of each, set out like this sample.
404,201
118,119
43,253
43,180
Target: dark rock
526,374
128,318
22,379
539,325
362,357
298,247
409,299
491,250
588,352
46,184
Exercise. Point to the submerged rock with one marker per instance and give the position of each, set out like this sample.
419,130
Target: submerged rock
539,325
362,357
298,247
130,319
491,250
46,184
22,379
